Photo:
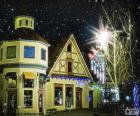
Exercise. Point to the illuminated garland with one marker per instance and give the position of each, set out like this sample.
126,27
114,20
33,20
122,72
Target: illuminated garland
71,77
136,96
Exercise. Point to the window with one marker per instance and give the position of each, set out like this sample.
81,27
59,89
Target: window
69,96
1,52
19,22
69,48
29,83
11,52
31,23
69,67
28,95
12,83
58,98
29,52
26,22
43,54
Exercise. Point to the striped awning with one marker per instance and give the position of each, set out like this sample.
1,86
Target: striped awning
29,75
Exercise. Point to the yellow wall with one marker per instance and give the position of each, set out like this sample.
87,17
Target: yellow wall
23,22
78,68
20,53
50,93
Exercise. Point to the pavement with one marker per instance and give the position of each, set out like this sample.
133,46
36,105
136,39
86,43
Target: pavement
80,112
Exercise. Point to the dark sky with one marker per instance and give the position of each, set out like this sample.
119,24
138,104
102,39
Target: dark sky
57,18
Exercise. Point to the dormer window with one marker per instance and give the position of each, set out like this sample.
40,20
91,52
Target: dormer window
69,48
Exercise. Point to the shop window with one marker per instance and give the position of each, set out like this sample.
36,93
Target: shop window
11,52
69,96
29,52
69,48
28,83
28,98
58,95
69,66
43,54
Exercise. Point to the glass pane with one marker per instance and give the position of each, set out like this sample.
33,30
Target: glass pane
29,52
28,94
43,54
69,96
11,52
28,83
58,100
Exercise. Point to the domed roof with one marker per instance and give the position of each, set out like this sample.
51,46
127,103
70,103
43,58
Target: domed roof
27,34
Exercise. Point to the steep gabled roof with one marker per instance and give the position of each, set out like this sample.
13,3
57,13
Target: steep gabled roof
59,49
55,50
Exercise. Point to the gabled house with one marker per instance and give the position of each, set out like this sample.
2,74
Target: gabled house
69,76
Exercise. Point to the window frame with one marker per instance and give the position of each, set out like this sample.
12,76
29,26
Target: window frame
58,86
33,57
31,80
43,50
26,22
69,48
8,47
31,99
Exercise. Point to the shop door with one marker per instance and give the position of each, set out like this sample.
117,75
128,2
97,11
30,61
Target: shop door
12,102
40,101
78,97
90,100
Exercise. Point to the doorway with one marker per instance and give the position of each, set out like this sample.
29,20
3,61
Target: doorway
40,102
78,97
12,102
90,100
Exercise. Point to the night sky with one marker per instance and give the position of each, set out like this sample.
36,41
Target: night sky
58,18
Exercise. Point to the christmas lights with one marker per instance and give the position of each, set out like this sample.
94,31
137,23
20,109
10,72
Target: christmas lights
136,96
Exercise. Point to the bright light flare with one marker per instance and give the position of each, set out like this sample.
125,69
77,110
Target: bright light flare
103,37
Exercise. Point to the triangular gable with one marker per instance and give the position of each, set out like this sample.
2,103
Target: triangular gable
79,66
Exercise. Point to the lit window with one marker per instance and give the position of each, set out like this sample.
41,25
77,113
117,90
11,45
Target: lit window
29,83
69,96
69,67
58,98
43,54
1,52
29,52
11,52
28,96
69,48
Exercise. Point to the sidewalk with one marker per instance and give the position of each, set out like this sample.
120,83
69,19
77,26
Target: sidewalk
80,112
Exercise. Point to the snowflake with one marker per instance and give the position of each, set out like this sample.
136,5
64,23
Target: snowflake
12,9
41,21
57,28
78,19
